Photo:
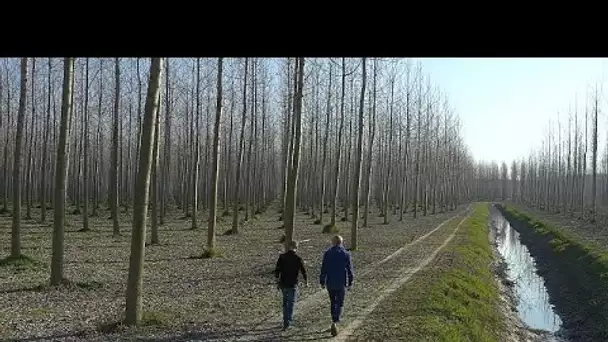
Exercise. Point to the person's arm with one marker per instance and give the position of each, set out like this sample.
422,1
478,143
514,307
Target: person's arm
303,270
349,269
323,276
278,269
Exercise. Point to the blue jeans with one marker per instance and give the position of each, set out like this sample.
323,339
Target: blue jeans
290,295
336,298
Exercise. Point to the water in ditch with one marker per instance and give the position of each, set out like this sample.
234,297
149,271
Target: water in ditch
533,299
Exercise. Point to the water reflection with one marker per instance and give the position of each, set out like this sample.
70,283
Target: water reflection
533,306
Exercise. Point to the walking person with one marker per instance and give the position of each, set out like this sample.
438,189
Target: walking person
286,272
337,276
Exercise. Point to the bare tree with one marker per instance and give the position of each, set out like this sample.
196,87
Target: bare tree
134,284
215,162
196,147
63,152
294,164
154,185
114,167
16,227
239,162
85,215
32,133
357,176
594,160
43,190
371,134
338,148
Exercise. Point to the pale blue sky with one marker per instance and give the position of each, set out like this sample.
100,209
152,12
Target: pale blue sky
505,104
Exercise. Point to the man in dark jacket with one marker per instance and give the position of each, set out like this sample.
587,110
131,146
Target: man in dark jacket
337,275
286,272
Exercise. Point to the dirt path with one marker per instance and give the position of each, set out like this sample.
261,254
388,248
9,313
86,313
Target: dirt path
405,274
312,312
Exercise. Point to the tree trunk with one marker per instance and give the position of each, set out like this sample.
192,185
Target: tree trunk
417,179
32,133
239,162
248,183
215,162
287,136
228,162
292,182
155,167
165,184
371,134
140,205
196,148
325,146
338,147
45,144
63,150
357,176
114,172
389,153
8,129
406,157
85,213
594,160
16,225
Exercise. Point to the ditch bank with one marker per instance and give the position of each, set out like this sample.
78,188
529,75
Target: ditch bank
575,275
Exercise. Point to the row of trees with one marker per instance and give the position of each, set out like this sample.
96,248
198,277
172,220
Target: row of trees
566,174
327,136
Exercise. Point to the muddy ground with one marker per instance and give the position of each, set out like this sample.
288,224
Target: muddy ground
185,298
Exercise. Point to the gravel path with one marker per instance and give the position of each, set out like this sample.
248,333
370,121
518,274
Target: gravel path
190,299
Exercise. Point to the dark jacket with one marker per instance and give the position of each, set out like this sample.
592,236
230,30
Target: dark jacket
337,269
288,267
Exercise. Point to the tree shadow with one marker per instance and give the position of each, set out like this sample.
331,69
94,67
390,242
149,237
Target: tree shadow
81,334
215,335
255,335
37,288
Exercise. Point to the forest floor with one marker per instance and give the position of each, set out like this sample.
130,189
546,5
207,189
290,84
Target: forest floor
231,297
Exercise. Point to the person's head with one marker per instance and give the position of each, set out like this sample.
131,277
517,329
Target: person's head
292,245
337,240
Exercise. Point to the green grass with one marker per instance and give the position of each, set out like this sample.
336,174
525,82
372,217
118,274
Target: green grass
330,229
91,285
155,318
21,263
39,312
588,254
211,253
454,300
465,298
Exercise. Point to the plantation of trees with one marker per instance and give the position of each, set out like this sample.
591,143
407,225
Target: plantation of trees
566,174
156,193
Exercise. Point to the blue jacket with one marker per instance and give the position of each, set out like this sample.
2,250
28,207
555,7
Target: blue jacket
337,269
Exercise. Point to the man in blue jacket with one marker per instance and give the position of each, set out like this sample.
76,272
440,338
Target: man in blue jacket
337,276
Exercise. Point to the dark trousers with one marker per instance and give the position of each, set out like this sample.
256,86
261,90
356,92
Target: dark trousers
290,294
336,298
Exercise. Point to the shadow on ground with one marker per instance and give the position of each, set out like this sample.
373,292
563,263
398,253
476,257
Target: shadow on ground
229,333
